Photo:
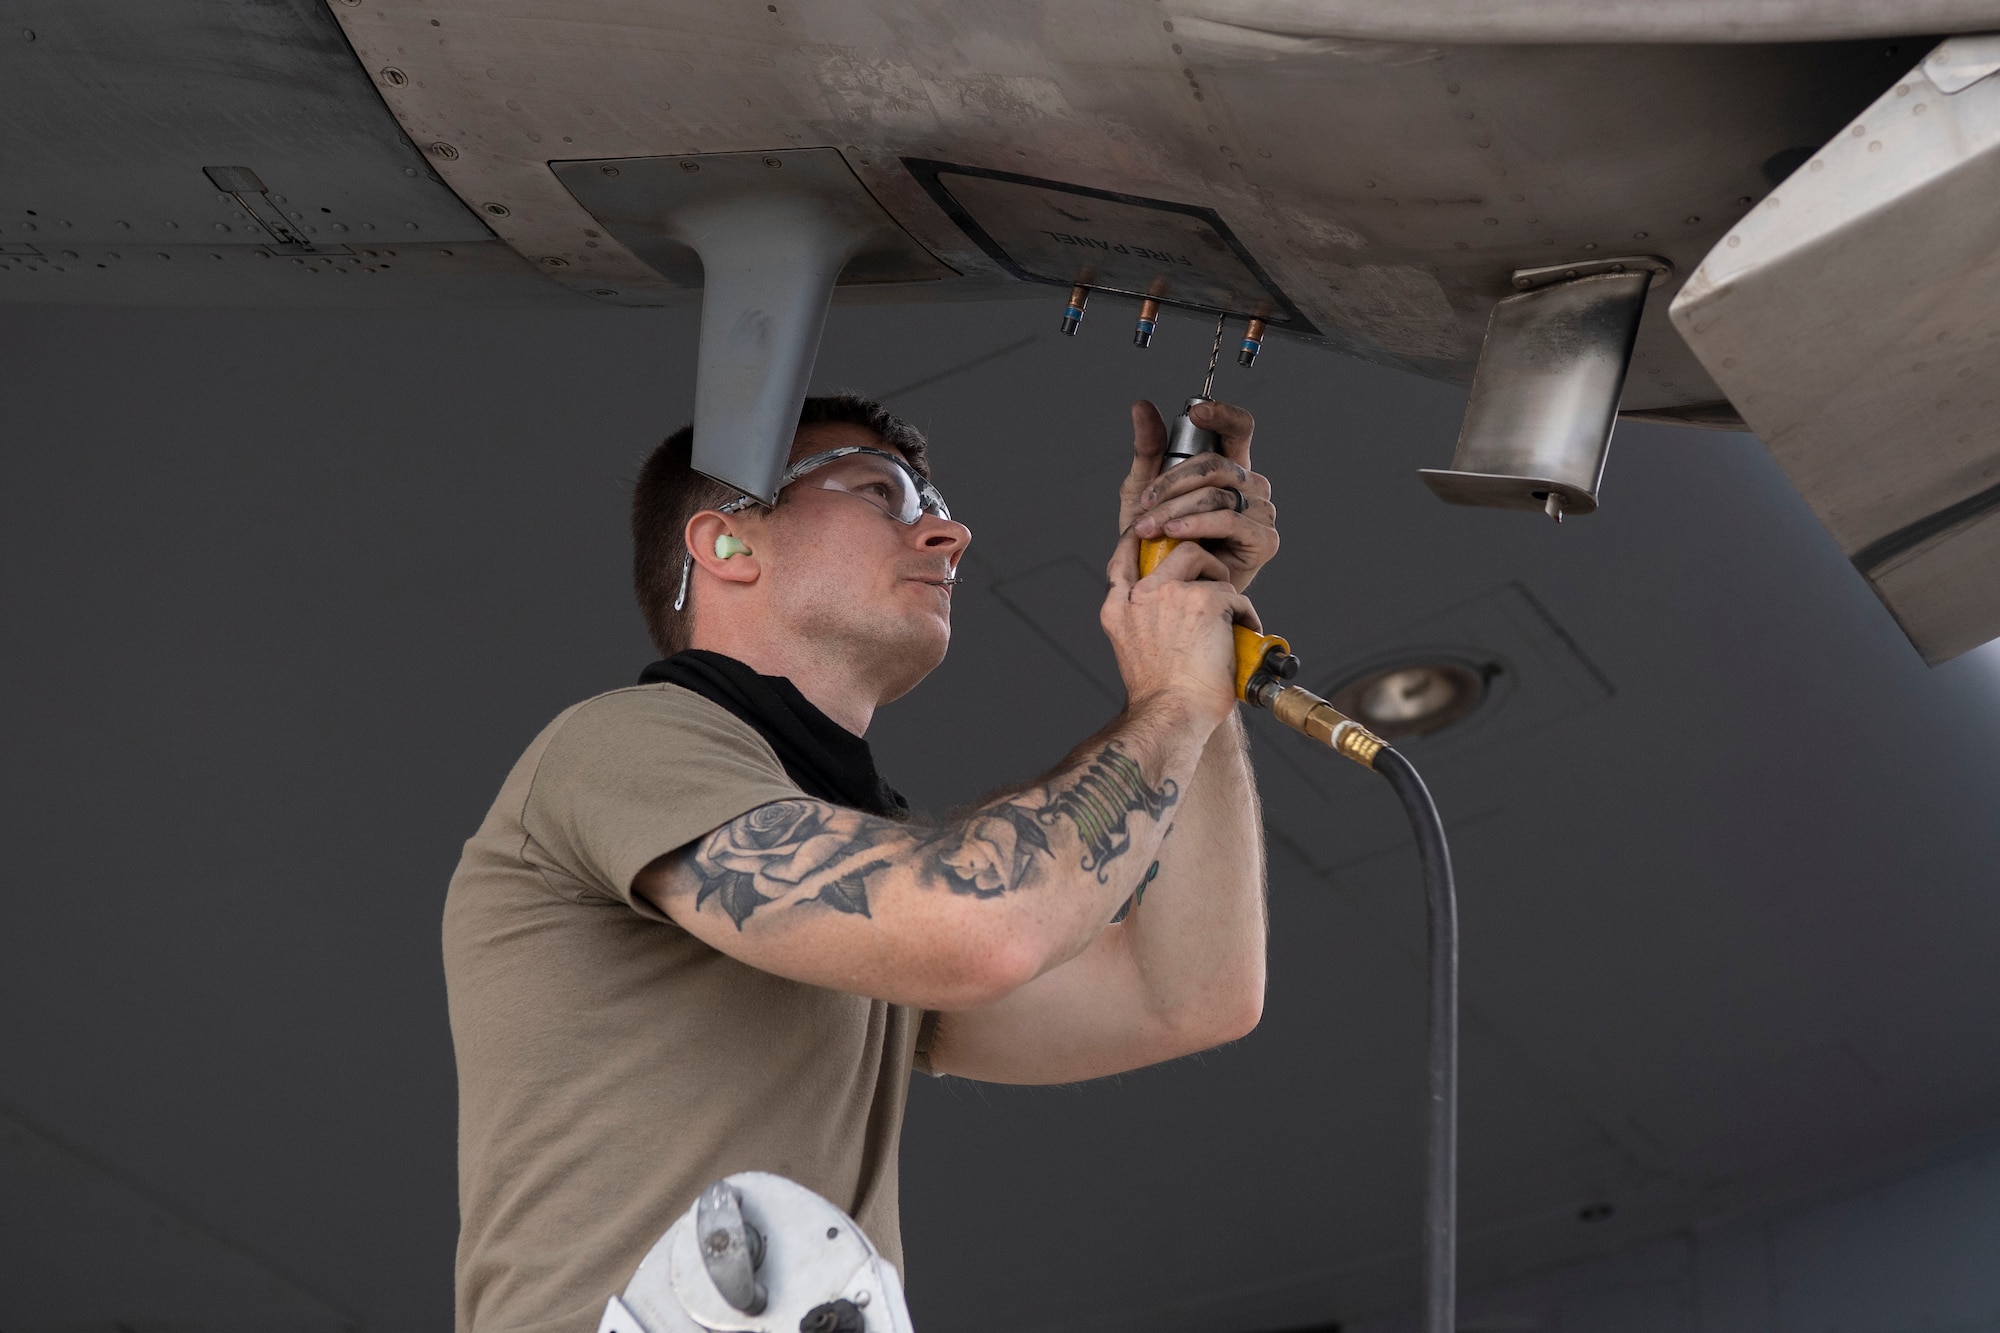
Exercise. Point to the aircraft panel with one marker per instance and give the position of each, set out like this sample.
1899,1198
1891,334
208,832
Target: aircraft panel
1852,317
123,117
1387,190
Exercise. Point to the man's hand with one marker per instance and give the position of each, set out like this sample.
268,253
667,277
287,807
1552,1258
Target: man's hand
1171,631
1196,499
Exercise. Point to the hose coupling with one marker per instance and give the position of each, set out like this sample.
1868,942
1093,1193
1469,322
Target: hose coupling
1305,712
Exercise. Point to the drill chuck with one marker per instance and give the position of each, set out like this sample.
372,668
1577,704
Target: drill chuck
1185,440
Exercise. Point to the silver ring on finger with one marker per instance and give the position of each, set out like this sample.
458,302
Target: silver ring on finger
1241,502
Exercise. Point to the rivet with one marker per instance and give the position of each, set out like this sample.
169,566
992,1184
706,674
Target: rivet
409,171
1743,199
1858,131
497,210
553,262
690,166
394,77
1569,273
1639,235
1736,240
608,171
861,1298
1874,145
443,150
1692,219
602,291
410,226
774,162
1590,245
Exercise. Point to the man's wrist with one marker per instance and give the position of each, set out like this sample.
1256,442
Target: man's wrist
1173,713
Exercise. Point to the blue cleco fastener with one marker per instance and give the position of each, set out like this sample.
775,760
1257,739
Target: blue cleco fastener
1149,317
1253,343
1079,296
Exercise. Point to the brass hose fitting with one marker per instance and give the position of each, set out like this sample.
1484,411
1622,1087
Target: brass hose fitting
1305,712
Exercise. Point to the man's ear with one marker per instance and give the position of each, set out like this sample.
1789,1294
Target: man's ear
704,534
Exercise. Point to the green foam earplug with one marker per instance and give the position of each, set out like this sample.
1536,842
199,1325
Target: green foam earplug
726,546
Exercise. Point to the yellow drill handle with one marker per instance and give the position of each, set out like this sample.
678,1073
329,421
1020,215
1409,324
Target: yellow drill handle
1251,646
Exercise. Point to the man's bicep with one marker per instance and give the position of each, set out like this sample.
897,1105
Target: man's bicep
821,894
779,856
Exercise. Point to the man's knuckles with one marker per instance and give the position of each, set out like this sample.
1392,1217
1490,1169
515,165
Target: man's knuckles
1193,473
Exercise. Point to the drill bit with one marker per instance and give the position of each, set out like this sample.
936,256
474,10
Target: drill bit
1214,355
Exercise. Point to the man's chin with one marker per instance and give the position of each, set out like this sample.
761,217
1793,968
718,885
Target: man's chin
909,657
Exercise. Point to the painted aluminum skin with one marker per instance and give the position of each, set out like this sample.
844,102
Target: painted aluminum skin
1386,189
1854,320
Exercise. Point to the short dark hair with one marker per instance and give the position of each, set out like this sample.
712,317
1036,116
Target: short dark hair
669,492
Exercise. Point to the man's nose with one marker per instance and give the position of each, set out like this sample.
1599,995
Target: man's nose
942,536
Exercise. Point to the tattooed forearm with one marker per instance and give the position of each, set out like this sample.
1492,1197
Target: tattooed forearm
799,852
1109,789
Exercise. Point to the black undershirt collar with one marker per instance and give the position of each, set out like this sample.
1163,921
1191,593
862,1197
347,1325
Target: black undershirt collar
826,759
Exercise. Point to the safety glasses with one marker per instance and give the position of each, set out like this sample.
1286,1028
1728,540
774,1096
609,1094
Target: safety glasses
875,476
881,478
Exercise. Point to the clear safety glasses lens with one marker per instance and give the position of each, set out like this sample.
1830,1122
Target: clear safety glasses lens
880,480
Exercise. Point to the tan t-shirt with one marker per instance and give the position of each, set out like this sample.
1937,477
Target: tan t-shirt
610,1065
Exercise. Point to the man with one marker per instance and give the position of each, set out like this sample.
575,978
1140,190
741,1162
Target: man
697,934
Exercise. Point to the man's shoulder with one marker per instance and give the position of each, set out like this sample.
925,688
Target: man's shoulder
651,723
